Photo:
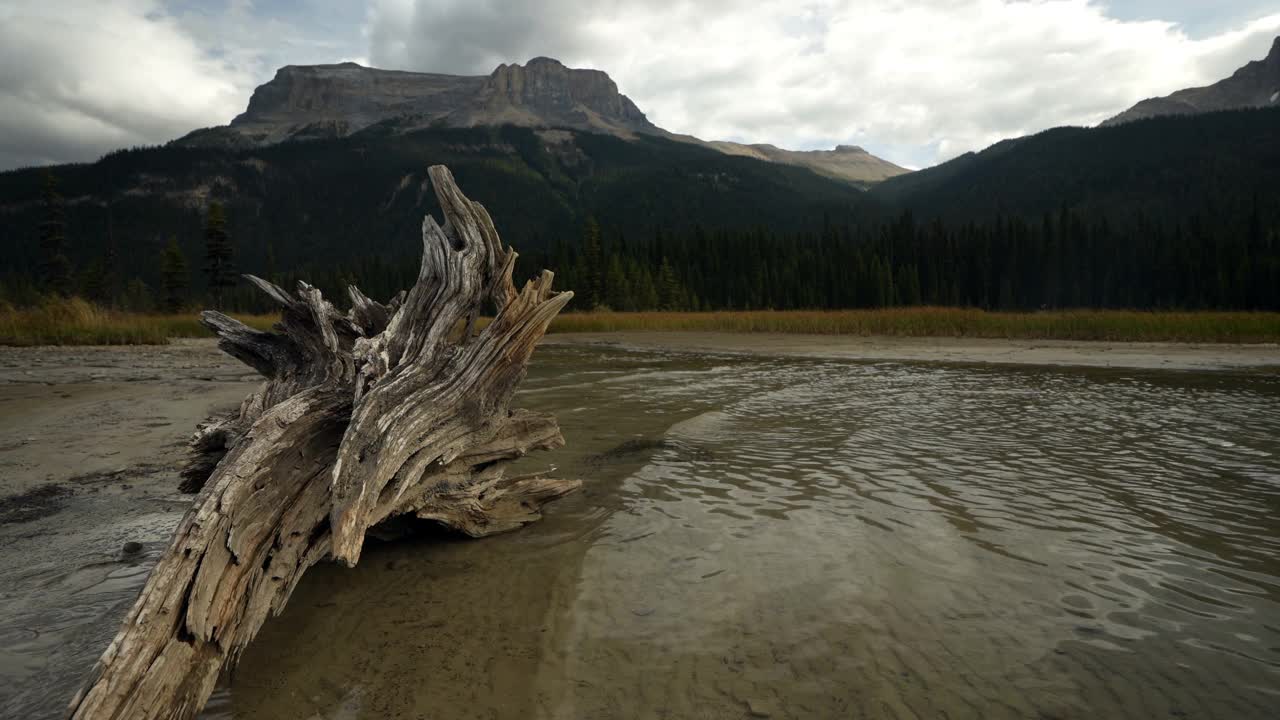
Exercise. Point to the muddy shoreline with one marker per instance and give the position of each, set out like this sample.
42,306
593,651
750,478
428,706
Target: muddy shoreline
91,439
1067,353
90,443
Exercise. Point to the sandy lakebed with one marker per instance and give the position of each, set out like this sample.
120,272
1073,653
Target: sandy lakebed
1074,353
91,439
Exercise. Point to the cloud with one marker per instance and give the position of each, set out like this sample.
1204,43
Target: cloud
920,82
917,82
260,36
80,78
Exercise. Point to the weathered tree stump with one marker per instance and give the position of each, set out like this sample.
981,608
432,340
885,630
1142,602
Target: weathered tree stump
385,410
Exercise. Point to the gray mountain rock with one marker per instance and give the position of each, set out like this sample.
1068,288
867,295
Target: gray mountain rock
304,102
846,162
1254,85
332,101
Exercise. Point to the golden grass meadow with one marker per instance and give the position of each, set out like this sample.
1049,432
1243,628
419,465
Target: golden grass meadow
77,322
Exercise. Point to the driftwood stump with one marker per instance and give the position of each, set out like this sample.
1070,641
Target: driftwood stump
384,410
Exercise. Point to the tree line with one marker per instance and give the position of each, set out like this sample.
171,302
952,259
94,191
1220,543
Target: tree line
1068,258
109,281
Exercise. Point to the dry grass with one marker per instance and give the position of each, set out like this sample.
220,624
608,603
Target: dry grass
1109,325
77,322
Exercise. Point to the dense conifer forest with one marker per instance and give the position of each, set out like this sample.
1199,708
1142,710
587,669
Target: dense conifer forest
1163,168
1064,260
1166,213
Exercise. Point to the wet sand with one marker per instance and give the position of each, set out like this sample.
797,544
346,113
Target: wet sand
1146,356
91,439
90,442
800,538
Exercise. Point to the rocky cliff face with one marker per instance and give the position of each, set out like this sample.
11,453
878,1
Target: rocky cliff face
545,90
333,101
1254,85
306,102
846,162
337,100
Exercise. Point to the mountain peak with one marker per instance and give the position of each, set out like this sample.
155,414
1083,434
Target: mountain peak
314,101
545,92
348,65
1255,85
310,102
1273,57
538,63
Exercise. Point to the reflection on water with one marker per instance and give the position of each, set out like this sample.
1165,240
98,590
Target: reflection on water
806,539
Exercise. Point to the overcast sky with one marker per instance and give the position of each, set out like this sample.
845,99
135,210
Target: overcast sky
915,82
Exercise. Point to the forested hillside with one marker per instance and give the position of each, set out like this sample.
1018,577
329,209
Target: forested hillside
350,208
1180,212
1066,259
1167,169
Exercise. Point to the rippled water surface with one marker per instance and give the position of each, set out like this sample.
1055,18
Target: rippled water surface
813,539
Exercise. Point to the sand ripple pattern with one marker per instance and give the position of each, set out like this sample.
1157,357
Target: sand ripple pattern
813,539
838,540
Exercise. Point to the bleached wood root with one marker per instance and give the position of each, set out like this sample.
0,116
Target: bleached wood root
378,412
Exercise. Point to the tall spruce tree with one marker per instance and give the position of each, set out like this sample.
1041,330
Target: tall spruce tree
55,268
137,296
591,278
93,283
218,255
173,277
111,267
668,287
617,290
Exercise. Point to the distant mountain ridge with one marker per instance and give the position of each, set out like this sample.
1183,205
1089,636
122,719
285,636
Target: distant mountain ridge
845,162
1164,168
1256,85
331,101
1197,151
310,102
355,204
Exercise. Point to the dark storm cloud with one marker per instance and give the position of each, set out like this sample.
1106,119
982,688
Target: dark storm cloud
923,81
80,78
942,76
470,38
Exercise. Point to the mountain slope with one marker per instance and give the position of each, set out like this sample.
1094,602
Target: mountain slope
356,202
333,101
846,162
1255,85
1163,168
329,101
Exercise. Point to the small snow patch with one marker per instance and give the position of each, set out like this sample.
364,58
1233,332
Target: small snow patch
1275,95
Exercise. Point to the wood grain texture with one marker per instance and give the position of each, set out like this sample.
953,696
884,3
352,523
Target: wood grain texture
380,411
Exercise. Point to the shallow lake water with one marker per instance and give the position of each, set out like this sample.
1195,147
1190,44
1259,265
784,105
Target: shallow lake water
814,539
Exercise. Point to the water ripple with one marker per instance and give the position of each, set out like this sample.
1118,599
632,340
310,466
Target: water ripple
1142,505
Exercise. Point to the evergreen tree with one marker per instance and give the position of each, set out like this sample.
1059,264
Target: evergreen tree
110,265
137,296
271,261
55,268
908,285
591,276
1227,262
668,287
646,295
93,283
617,289
173,277
218,253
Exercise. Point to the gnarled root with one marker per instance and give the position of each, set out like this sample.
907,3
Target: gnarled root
378,412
